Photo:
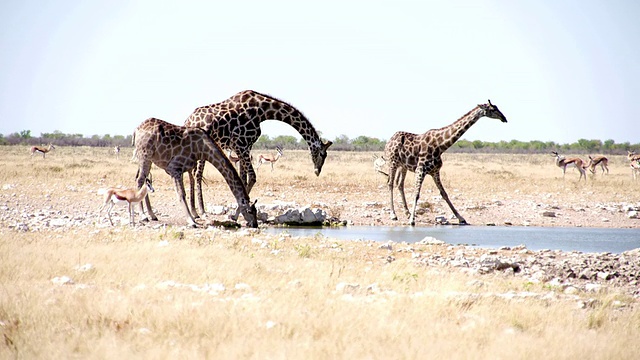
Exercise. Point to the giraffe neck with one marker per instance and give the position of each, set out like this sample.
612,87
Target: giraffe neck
226,169
448,135
281,111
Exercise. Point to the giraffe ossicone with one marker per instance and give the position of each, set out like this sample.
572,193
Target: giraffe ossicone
421,153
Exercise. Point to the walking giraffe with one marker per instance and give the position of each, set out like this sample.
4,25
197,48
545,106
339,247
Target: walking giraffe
235,124
176,150
421,153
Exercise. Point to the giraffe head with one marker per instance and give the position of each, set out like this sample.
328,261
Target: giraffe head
248,211
319,154
492,111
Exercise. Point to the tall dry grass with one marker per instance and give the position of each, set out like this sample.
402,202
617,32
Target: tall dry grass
172,292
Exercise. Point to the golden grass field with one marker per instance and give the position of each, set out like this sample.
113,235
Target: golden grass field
154,291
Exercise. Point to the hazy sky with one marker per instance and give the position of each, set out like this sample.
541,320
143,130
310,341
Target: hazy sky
559,70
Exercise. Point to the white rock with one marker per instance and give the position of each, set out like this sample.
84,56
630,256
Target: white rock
62,280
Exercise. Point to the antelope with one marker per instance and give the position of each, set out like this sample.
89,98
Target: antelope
378,163
113,196
116,150
270,159
598,160
632,156
42,150
563,163
233,158
635,169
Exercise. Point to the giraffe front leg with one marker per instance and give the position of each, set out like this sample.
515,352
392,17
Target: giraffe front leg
247,173
192,201
402,174
181,198
392,175
420,172
436,179
143,172
199,177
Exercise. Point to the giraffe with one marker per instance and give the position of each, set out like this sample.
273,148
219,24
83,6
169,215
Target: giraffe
235,124
421,153
176,150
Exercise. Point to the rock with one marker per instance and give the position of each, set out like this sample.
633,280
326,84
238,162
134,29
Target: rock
549,214
387,246
429,240
632,214
346,288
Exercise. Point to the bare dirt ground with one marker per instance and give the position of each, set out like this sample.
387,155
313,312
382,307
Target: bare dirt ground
518,190
75,286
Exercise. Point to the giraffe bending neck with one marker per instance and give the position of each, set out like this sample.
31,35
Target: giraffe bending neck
235,124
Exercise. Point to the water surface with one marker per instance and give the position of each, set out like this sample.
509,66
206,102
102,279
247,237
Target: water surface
534,238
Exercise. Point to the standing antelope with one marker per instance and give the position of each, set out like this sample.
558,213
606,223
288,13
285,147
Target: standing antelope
632,156
563,163
598,160
270,159
42,150
113,196
116,150
635,169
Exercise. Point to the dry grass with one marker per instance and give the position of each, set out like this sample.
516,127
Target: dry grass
178,293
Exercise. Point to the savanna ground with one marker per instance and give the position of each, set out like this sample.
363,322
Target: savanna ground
159,290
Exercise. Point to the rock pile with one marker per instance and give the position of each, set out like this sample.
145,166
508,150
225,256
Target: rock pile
566,270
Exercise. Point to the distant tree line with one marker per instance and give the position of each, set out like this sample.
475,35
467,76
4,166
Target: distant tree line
342,142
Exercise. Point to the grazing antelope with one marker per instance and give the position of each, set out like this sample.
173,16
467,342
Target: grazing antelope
233,158
116,150
113,196
42,150
563,163
598,160
378,163
269,159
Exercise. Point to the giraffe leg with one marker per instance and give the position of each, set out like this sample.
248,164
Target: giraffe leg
247,173
199,176
436,179
390,180
420,171
143,172
192,201
401,176
181,198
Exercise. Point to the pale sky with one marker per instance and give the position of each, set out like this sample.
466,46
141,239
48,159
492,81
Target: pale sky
559,70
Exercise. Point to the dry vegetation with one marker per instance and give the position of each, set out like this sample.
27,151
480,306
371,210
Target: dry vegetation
171,292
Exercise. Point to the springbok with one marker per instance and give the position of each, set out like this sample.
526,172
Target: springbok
598,160
270,159
563,162
42,150
635,169
131,197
